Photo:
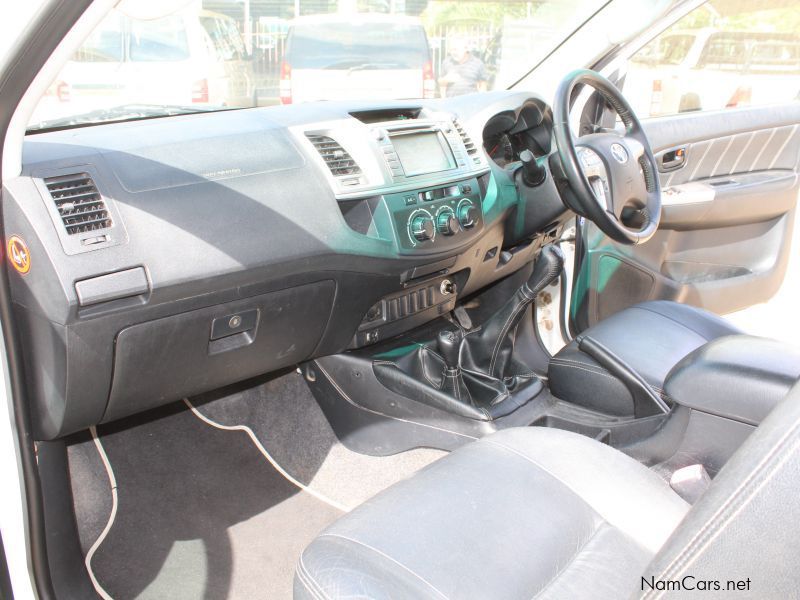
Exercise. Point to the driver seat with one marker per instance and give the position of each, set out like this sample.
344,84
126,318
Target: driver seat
648,339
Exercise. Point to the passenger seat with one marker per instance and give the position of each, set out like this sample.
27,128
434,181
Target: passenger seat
536,512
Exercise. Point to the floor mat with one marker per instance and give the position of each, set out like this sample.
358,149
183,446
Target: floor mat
199,514
288,423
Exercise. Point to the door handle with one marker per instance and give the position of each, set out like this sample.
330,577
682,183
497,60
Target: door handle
672,159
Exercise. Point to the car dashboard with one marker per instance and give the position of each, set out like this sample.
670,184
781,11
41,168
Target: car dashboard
169,257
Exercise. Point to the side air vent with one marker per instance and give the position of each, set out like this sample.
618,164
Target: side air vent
340,163
80,206
472,150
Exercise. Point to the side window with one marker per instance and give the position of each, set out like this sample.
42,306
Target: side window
723,54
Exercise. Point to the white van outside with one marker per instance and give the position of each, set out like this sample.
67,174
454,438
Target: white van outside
187,58
342,57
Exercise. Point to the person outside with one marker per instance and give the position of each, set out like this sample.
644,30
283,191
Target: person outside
462,71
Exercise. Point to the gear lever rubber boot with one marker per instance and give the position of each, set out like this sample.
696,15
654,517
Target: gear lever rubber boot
489,350
449,346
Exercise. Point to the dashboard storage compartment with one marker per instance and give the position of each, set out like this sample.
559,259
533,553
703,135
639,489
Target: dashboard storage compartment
178,356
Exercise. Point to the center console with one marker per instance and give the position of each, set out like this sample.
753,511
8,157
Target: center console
414,177
447,380
718,395
414,180
438,218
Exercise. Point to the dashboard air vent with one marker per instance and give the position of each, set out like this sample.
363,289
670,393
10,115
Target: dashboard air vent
80,205
472,150
338,160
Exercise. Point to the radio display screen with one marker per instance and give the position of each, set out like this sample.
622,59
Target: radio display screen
422,153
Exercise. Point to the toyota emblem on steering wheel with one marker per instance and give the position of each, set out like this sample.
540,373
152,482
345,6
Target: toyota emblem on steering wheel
619,153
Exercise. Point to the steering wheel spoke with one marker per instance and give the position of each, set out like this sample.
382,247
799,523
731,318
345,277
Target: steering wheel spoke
597,175
613,177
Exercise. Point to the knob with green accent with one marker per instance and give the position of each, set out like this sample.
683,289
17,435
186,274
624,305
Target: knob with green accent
446,222
422,227
467,213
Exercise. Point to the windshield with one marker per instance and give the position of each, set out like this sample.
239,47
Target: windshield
222,55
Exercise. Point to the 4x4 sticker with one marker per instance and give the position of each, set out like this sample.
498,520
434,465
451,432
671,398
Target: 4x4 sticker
18,254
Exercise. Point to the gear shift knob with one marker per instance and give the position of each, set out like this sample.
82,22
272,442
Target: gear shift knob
548,266
449,343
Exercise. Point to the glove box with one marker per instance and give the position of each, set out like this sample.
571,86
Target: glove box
182,355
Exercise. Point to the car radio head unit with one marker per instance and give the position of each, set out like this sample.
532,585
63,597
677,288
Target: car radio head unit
422,152
416,149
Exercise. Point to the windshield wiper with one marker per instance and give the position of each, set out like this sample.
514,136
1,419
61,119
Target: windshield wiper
119,114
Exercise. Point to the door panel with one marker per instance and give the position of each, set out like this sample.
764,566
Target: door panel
729,210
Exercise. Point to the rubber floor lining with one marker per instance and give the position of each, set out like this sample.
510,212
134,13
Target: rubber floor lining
198,511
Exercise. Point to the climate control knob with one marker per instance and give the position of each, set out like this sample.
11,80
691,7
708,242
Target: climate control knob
467,213
422,227
446,222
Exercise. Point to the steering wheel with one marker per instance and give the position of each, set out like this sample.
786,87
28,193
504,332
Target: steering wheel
612,176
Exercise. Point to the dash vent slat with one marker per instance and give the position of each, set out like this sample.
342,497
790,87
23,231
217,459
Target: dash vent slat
469,145
79,203
338,160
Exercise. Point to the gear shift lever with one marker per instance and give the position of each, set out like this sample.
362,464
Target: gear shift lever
548,266
449,344
489,351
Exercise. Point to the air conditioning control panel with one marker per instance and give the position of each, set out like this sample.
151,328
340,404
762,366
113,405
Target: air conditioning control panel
438,218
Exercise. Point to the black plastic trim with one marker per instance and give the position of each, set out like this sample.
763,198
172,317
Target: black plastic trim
64,552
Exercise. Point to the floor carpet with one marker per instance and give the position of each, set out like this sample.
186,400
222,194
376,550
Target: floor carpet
200,513
287,421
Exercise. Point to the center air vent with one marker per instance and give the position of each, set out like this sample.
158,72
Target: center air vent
472,150
337,158
80,206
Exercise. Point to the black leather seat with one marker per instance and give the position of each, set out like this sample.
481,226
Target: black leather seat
650,338
543,513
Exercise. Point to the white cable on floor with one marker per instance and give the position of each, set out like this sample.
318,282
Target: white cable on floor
267,455
113,482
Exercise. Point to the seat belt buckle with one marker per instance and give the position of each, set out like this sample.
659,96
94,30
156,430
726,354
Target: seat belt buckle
690,482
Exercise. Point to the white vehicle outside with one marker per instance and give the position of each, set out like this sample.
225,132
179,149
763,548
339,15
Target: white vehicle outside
708,69
187,58
335,57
